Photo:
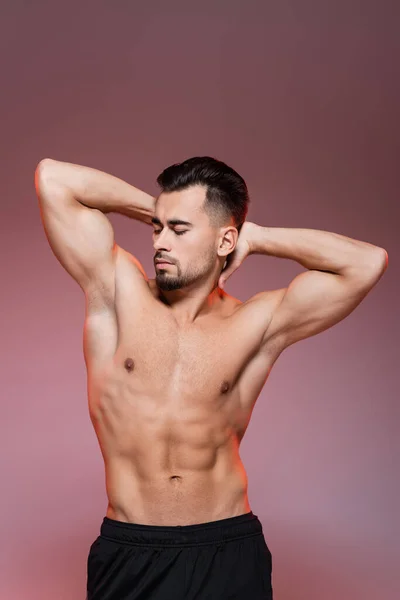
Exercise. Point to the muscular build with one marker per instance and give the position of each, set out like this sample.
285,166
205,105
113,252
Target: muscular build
173,377
170,403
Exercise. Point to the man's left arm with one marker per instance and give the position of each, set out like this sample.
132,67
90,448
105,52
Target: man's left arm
341,272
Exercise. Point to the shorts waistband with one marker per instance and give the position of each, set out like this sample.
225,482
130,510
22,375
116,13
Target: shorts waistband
224,530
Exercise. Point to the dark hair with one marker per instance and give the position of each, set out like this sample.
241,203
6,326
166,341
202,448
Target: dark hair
226,191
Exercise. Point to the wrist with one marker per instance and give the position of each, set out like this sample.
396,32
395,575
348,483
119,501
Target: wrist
254,237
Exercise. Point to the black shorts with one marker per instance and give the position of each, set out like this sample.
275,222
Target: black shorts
221,560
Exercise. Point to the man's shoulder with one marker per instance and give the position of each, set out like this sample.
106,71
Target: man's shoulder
256,312
266,300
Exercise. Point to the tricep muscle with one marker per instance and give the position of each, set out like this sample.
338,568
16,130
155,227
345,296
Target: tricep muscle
315,301
81,238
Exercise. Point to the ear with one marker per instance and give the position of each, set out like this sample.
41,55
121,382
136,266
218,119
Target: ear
227,240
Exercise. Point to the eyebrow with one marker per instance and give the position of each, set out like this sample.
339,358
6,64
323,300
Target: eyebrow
156,221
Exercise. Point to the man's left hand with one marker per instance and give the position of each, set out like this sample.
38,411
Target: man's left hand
241,251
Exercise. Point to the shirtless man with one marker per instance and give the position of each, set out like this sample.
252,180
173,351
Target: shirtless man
175,365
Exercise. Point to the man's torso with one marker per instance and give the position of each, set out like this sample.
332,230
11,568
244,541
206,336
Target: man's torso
170,404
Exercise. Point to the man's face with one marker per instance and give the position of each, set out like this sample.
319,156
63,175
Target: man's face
183,236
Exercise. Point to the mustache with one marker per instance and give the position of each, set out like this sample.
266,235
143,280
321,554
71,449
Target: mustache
158,257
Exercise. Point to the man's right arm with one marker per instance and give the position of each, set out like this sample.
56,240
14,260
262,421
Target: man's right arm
96,189
72,200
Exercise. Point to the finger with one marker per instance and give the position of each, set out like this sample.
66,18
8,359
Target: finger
226,274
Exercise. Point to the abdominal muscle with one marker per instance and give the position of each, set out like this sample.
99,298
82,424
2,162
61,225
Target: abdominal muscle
160,498
169,462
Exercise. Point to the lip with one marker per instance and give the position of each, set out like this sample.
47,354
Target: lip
162,262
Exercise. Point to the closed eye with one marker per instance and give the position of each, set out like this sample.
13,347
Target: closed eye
156,231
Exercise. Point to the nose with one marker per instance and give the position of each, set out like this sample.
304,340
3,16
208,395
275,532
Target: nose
161,241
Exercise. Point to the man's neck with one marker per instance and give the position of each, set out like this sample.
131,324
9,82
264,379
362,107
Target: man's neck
190,303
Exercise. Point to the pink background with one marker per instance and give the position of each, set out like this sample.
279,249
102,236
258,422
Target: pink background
302,98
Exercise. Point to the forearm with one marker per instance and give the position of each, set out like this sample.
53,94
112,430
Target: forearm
96,189
315,249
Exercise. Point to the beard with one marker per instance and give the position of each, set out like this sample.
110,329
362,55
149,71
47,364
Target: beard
169,282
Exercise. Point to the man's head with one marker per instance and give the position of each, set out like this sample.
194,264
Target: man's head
211,201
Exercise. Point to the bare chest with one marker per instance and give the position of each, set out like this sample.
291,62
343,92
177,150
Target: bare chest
142,353
162,359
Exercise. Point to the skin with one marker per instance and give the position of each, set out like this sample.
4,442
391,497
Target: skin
174,375
175,364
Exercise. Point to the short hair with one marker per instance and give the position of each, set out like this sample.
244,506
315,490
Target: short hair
226,191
